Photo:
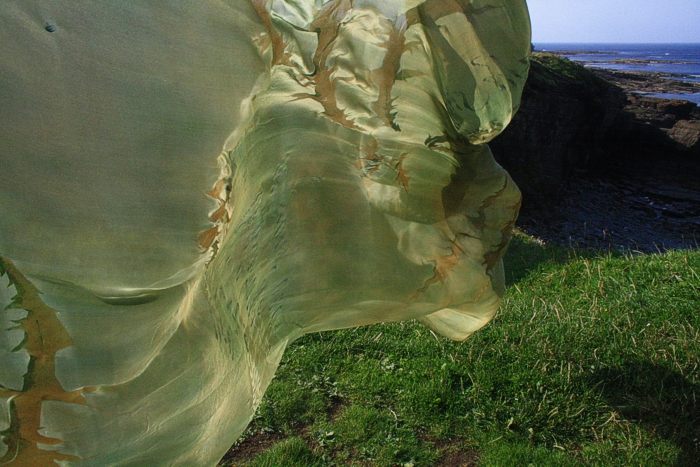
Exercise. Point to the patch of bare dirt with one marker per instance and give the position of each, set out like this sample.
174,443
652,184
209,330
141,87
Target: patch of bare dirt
453,453
459,458
249,447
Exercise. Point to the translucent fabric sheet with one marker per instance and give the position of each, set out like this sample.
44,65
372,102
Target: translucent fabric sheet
187,187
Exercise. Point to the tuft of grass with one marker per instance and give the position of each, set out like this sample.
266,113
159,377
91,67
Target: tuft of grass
592,360
289,453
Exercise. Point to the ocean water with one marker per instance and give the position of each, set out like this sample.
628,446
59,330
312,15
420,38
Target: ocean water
681,61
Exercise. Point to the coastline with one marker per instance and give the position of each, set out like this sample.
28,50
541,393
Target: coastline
642,68
651,83
640,191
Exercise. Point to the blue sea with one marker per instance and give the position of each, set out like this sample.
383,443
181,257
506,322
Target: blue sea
682,61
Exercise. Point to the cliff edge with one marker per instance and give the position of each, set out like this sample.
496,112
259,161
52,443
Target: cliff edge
575,121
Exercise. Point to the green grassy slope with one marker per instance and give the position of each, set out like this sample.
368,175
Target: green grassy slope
593,359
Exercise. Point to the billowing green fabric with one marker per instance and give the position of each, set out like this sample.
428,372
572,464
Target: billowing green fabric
188,186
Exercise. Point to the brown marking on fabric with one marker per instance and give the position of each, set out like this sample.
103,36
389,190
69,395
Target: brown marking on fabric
262,43
207,237
491,258
326,25
280,56
516,207
412,16
370,162
328,20
444,265
402,176
385,76
218,191
220,214
44,337
221,192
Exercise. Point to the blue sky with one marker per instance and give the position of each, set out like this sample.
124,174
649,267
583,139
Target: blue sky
615,20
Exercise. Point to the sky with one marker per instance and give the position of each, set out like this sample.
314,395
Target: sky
615,20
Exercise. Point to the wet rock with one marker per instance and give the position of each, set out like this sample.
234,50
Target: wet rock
639,211
646,82
687,134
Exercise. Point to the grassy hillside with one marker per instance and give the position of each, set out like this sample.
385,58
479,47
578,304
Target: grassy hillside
593,360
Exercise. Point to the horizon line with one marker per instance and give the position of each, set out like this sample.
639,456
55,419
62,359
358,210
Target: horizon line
611,42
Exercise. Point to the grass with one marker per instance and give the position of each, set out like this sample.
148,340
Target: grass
593,360
549,71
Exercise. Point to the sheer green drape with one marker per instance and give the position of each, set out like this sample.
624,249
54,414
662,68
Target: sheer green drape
187,187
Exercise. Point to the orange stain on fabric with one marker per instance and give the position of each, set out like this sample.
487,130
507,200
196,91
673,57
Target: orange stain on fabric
45,336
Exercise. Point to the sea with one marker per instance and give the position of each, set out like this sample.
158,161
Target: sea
680,61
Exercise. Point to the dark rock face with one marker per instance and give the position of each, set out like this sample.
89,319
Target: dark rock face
646,129
573,121
565,115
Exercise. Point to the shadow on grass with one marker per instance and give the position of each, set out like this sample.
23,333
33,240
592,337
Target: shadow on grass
658,399
526,254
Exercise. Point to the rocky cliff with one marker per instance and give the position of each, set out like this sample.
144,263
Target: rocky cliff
571,121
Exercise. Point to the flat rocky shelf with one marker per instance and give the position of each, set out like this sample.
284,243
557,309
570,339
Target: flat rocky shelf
648,82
